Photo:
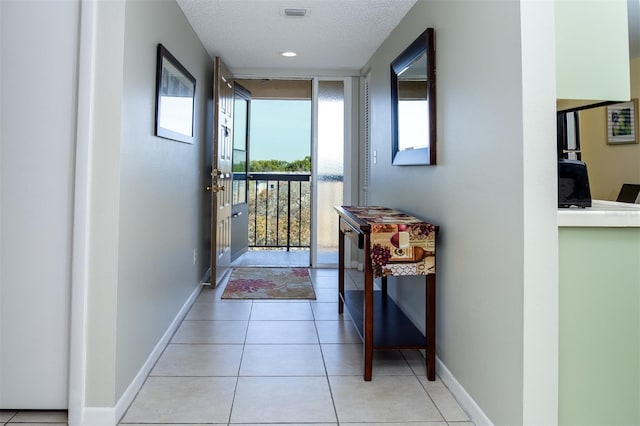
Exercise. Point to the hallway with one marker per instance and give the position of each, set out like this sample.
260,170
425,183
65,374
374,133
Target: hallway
284,362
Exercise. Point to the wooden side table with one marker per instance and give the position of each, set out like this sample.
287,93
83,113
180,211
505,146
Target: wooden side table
400,245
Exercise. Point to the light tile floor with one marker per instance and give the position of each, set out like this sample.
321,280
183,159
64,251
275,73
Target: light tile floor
278,362
285,362
32,417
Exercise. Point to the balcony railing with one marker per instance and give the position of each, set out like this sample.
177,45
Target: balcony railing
279,210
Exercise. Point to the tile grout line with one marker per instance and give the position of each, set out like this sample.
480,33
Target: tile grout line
415,374
244,345
326,373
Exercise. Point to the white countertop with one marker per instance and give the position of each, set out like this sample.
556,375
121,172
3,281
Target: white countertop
601,214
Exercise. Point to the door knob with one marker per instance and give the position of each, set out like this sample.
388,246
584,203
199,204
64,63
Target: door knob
215,188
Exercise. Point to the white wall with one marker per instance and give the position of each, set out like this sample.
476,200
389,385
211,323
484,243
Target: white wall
104,198
490,193
38,105
145,194
592,41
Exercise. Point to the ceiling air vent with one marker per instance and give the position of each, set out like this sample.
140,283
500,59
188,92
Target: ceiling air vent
294,12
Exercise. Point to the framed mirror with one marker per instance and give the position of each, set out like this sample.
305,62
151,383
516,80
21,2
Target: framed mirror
413,103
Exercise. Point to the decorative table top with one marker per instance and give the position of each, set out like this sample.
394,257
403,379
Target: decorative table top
400,244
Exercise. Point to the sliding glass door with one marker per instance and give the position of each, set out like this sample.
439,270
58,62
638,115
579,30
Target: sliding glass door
331,129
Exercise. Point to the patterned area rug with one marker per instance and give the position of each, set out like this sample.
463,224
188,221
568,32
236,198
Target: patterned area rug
269,283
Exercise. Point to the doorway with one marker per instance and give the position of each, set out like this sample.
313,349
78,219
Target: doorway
278,173
288,170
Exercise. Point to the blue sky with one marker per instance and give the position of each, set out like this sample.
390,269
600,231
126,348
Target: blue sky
280,130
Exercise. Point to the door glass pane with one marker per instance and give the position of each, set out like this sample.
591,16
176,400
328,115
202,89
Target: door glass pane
239,177
330,165
240,124
240,151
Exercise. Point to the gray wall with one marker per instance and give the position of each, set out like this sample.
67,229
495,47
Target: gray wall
38,109
146,194
160,197
494,201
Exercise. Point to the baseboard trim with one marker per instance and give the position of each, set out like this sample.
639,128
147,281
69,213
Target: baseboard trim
478,417
97,416
132,390
110,416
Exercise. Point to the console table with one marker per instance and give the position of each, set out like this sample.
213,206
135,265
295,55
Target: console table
394,244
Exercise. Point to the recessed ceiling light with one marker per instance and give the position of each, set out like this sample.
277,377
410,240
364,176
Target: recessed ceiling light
289,54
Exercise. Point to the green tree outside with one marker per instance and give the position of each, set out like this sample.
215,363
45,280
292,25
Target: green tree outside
279,209
266,166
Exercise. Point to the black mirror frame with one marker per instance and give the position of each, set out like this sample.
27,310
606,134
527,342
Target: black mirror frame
422,156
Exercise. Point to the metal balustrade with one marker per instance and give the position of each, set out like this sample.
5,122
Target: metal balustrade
279,210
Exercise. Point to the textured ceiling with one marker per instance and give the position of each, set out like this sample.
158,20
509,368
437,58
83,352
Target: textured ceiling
336,35
249,35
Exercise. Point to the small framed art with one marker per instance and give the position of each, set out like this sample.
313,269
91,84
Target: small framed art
175,97
622,122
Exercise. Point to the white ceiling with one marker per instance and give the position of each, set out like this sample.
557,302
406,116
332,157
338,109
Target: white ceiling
336,35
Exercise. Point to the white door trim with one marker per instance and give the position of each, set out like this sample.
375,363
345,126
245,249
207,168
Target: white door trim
81,215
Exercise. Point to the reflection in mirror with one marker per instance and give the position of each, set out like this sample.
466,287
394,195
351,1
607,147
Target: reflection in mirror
413,103
412,106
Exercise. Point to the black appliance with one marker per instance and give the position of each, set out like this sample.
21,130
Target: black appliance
573,184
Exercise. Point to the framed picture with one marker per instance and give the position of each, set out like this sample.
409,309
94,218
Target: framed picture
175,98
622,122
